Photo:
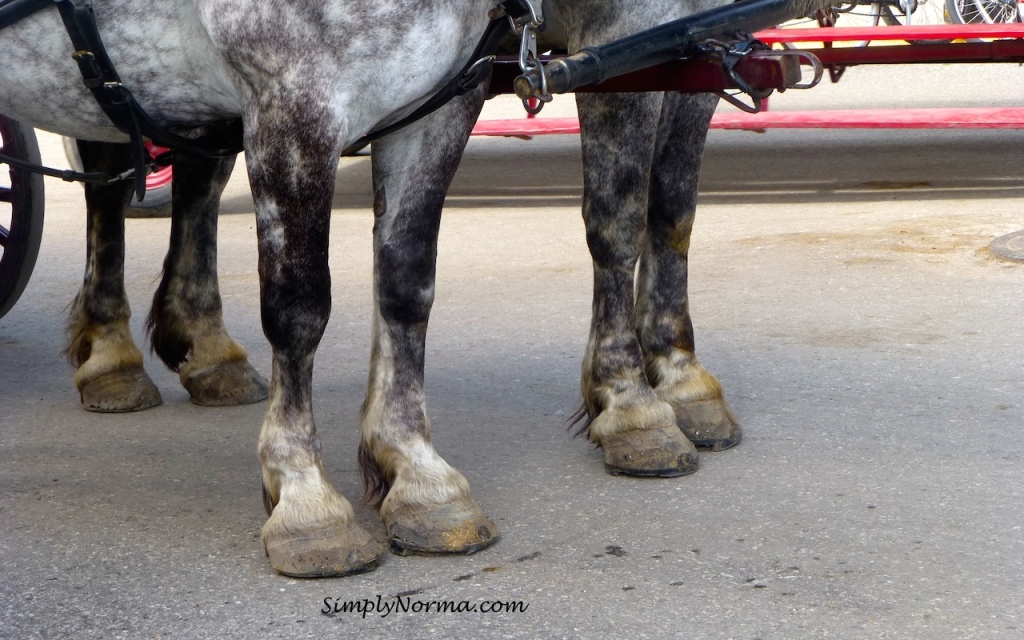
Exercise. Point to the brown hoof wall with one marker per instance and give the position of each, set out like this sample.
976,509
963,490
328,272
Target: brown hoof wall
227,384
323,553
120,392
709,425
661,453
460,528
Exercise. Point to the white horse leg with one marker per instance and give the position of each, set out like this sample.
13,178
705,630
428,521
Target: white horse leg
425,503
292,159
663,314
635,428
109,374
186,323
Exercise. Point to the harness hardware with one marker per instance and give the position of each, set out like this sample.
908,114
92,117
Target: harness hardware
730,54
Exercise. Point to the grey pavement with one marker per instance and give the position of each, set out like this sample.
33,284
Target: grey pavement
841,290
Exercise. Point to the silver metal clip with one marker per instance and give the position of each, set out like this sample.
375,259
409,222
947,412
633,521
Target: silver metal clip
528,60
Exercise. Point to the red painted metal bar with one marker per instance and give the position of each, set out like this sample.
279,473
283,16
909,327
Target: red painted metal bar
935,118
895,32
995,51
980,118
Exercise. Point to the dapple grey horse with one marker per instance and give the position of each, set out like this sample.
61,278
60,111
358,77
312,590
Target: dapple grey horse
309,79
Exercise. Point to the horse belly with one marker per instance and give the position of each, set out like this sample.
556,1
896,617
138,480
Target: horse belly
159,50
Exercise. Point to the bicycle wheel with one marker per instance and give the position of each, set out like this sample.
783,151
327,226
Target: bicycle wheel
848,14
21,212
915,13
983,11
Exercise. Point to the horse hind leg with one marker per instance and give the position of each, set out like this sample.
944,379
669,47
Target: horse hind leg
425,503
623,414
663,316
109,374
186,323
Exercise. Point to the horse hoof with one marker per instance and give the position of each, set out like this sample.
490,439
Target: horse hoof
709,425
227,384
460,528
662,452
120,392
331,551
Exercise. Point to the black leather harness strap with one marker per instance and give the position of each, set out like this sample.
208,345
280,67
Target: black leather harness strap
119,104
12,11
225,138
471,75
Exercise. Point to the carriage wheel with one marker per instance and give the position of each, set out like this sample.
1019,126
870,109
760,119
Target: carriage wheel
157,203
21,212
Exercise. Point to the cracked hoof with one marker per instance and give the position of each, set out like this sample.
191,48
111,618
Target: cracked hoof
227,384
709,425
120,392
460,527
338,550
662,452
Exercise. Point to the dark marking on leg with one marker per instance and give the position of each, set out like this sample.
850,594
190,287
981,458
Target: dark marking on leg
426,505
109,375
185,323
664,327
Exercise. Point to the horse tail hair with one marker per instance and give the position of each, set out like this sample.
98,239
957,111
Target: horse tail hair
579,422
167,338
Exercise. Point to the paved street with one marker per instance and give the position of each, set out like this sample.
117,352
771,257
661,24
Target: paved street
842,291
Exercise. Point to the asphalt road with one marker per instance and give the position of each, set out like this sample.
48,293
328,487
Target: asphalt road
841,290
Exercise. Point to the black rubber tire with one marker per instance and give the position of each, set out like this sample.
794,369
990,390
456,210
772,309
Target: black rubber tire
24,201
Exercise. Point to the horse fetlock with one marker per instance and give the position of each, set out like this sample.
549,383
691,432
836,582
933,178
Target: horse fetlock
455,527
635,410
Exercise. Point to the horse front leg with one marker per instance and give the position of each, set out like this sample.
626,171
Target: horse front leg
426,504
186,323
311,531
109,375
663,313
624,416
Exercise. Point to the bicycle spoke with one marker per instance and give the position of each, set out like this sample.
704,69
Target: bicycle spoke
5,194
4,234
